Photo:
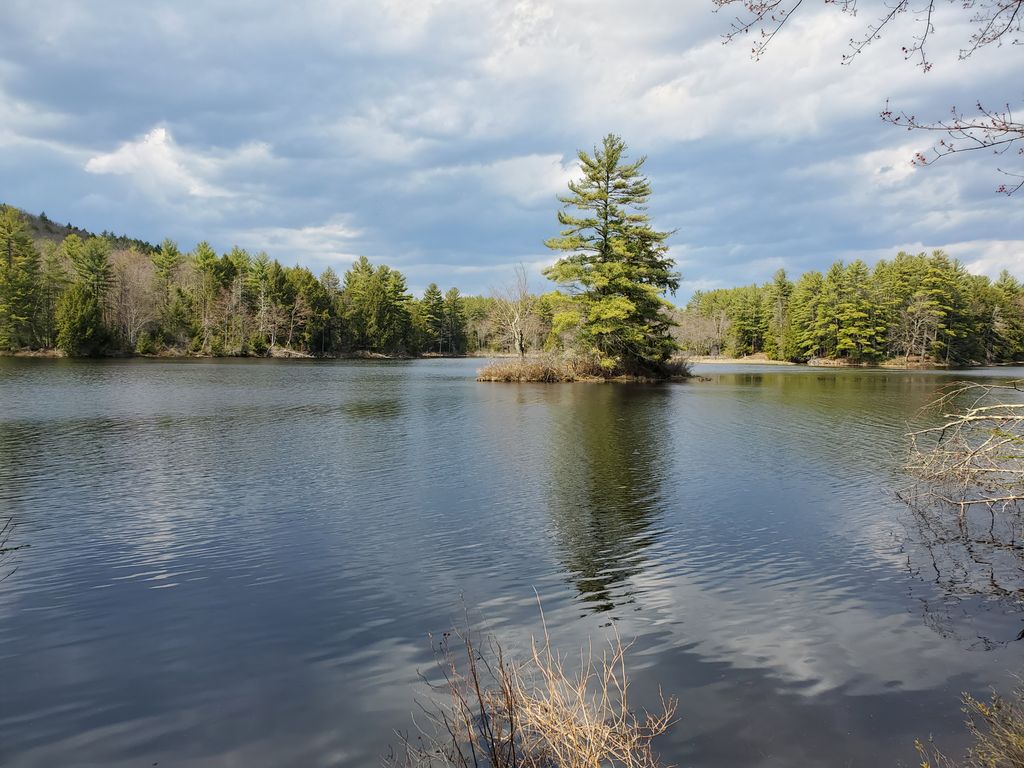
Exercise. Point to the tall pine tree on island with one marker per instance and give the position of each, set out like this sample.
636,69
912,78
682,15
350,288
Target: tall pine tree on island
615,265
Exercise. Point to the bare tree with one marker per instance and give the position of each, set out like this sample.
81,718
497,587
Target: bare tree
136,299
917,328
995,22
513,310
701,334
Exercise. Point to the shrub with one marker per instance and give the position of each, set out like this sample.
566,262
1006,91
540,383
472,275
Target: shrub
997,727
257,345
537,713
145,345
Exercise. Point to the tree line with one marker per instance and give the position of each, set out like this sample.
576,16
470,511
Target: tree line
914,307
91,295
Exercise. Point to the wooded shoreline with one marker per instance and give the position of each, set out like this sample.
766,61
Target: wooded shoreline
285,354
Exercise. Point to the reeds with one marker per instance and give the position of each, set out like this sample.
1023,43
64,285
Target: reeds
540,712
997,727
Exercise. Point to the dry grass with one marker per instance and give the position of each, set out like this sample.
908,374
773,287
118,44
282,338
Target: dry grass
540,712
997,727
554,369
525,369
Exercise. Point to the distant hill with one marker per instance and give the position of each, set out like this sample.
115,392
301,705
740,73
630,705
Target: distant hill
43,228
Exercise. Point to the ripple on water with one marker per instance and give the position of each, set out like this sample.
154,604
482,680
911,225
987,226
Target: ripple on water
242,562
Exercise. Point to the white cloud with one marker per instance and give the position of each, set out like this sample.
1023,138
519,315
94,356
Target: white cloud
161,167
527,179
989,257
326,243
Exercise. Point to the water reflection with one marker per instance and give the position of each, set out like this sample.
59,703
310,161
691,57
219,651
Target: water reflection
975,562
606,493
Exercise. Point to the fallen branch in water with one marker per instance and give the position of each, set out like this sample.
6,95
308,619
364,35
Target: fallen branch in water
976,456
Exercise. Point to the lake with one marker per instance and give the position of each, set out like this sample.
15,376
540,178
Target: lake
242,562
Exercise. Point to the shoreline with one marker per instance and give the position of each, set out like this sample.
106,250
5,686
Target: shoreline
281,353
748,360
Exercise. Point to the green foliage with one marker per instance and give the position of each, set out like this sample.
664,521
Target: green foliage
91,262
915,307
615,263
19,281
377,308
453,333
88,295
80,331
145,345
432,317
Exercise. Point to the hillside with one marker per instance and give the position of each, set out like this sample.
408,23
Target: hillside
45,229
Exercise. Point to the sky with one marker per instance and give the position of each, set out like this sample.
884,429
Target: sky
435,135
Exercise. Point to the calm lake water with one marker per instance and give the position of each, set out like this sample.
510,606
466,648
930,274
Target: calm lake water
238,563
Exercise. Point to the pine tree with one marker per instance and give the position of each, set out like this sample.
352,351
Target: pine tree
803,340
19,278
433,316
167,260
616,264
91,261
454,321
859,333
775,308
80,330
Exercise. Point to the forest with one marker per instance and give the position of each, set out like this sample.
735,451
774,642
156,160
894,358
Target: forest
912,308
63,288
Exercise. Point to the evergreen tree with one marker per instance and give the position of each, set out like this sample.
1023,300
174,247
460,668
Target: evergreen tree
749,323
432,316
775,308
859,334
91,261
167,260
19,280
80,330
803,340
454,321
53,281
616,263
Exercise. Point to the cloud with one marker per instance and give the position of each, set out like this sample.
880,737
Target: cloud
328,243
528,180
162,168
990,257
442,131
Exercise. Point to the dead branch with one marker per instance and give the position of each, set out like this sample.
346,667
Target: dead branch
540,712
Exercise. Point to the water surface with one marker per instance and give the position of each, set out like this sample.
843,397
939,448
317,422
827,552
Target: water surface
240,562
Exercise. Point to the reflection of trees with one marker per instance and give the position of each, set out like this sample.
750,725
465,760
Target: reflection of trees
605,492
976,561
6,527
967,513
9,458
